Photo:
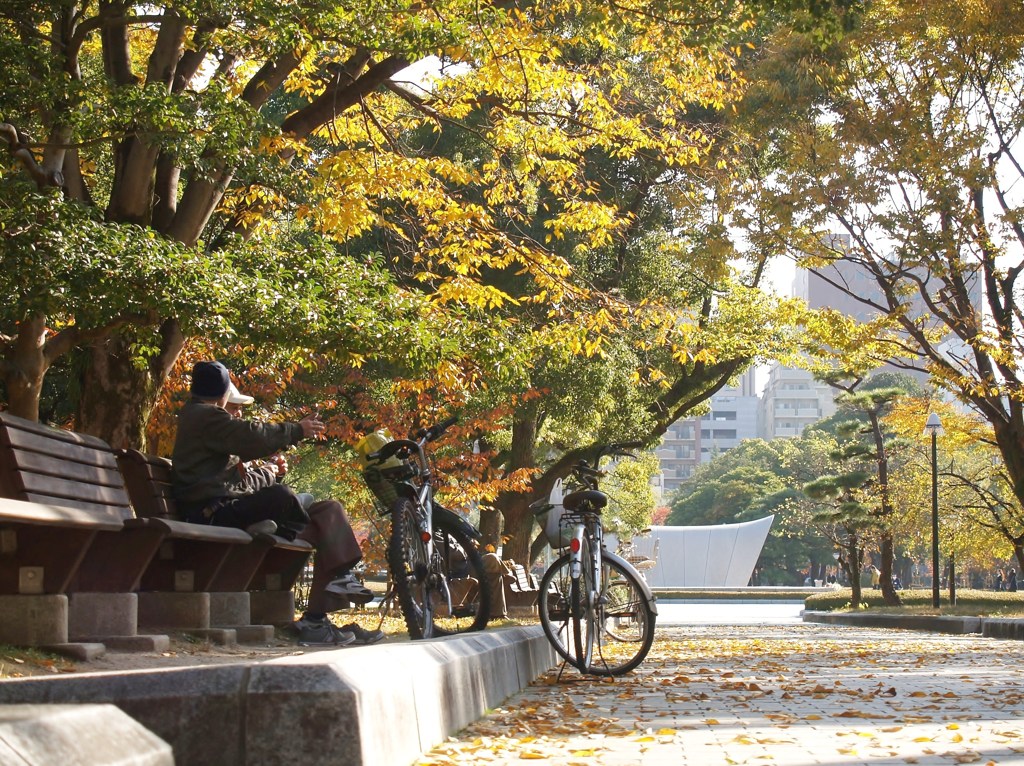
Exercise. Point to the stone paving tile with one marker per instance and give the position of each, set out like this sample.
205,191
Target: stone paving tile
797,695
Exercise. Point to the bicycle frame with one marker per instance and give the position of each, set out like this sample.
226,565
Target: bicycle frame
591,528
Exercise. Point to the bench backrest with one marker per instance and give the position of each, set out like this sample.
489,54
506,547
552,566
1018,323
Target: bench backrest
522,581
47,465
148,480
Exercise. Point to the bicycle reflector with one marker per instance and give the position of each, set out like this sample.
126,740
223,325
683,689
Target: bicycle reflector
425,536
574,545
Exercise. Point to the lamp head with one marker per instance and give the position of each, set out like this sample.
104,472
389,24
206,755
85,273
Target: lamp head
933,426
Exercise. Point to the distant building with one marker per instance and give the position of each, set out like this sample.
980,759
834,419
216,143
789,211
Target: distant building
792,400
690,442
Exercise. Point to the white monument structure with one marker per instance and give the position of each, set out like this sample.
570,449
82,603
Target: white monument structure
718,556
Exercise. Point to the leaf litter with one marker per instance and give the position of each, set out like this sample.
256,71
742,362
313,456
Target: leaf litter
748,695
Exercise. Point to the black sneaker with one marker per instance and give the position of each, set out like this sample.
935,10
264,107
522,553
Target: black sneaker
362,635
322,633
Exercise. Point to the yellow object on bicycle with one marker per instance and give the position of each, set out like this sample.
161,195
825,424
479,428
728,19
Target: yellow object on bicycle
373,442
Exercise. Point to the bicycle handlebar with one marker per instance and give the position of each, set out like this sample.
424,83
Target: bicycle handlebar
405,447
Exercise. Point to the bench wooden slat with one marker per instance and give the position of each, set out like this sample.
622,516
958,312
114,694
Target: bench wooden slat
50,465
16,438
521,589
17,511
66,492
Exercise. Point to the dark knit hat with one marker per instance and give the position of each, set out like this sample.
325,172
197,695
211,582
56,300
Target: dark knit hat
210,380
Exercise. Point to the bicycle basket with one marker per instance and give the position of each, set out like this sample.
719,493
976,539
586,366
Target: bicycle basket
382,481
381,477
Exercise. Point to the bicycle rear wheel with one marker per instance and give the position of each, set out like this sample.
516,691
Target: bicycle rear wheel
626,622
461,598
410,569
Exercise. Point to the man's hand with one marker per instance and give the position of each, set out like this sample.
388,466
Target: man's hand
312,426
278,464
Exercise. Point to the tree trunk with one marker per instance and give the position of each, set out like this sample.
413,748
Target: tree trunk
852,563
515,508
519,526
25,366
490,527
889,594
118,395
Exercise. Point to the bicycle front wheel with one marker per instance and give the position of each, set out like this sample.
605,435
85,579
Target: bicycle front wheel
410,568
626,622
565,617
461,598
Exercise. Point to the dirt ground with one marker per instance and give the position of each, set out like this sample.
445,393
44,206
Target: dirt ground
184,651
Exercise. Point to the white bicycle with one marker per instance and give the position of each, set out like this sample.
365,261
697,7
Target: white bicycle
596,610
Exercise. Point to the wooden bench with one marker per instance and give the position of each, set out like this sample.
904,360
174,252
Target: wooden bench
109,550
521,587
271,564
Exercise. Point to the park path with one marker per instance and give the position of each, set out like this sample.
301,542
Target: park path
781,695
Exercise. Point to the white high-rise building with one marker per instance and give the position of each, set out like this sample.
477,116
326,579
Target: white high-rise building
690,442
791,401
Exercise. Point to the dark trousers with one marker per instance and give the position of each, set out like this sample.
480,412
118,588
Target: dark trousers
276,502
327,529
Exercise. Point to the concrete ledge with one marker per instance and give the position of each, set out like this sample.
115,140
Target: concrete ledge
1003,628
933,623
77,735
378,705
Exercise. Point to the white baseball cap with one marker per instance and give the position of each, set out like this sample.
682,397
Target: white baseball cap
237,397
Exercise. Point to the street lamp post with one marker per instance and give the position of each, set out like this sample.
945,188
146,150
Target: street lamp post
934,427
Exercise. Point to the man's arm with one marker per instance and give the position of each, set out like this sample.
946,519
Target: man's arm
251,440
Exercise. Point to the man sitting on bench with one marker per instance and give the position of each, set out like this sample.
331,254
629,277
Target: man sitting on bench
210,488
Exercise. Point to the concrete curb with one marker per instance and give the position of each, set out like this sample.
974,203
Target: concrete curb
77,735
355,706
986,626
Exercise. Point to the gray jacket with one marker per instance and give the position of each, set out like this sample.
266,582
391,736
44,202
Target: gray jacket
211,444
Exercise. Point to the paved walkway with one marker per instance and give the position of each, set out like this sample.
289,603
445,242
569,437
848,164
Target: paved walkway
787,695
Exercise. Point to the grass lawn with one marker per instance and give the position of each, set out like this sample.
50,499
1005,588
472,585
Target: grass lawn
970,603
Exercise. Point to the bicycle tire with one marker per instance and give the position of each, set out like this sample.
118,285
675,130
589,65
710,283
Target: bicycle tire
555,607
584,620
626,618
465,581
410,569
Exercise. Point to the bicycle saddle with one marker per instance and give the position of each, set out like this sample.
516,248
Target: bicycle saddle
585,499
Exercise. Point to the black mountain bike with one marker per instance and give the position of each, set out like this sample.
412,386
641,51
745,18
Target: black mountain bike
436,567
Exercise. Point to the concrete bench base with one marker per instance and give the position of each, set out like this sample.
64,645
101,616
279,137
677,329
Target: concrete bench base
34,620
363,706
95,615
160,611
77,735
228,609
272,607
